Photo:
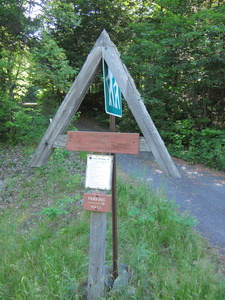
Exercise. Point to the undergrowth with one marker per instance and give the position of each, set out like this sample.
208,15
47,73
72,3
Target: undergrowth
44,240
205,146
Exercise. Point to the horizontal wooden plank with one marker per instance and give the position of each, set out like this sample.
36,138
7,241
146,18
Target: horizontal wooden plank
103,142
61,141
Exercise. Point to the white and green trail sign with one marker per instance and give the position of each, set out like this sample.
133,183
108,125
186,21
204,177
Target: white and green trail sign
113,100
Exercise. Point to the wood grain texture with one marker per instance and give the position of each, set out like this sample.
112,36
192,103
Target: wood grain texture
61,140
96,275
109,142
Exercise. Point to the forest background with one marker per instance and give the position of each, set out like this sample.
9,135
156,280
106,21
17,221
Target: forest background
174,50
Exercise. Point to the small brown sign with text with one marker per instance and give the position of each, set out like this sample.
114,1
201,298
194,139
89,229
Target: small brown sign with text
97,202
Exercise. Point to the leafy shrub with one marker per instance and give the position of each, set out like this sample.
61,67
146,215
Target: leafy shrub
7,109
206,146
27,126
18,123
64,206
49,101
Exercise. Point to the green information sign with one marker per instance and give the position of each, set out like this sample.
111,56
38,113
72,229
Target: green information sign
113,99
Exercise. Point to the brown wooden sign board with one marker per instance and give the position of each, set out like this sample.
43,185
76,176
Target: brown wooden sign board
97,202
104,142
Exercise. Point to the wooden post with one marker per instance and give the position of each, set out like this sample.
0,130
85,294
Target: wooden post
96,273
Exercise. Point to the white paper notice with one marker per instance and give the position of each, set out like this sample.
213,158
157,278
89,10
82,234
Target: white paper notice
99,172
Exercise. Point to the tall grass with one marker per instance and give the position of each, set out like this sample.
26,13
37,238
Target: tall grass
44,240
169,258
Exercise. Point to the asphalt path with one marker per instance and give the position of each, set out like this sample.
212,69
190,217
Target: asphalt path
200,191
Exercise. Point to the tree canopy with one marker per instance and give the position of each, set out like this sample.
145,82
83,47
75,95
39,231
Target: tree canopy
174,50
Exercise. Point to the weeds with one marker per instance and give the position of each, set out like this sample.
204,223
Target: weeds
63,207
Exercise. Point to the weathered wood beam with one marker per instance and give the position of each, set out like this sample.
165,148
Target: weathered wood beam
137,107
96,269
69,105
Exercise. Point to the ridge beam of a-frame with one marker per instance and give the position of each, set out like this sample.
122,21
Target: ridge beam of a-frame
69,105
139,110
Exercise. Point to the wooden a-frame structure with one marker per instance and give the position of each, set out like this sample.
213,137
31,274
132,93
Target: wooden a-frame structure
106,49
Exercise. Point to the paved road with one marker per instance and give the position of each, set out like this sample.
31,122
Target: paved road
199,190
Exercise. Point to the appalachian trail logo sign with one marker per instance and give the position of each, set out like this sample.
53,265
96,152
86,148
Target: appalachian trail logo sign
113,99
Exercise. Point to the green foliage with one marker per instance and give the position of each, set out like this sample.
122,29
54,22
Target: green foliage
178,59
50,71
20,54
59,18
173,49
53,212
82,155
64,207
96,15
15,30
50,66
18,123
41,270
25,125
6,109
164,250
127,123
71,126
31,57
153,214
206,146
